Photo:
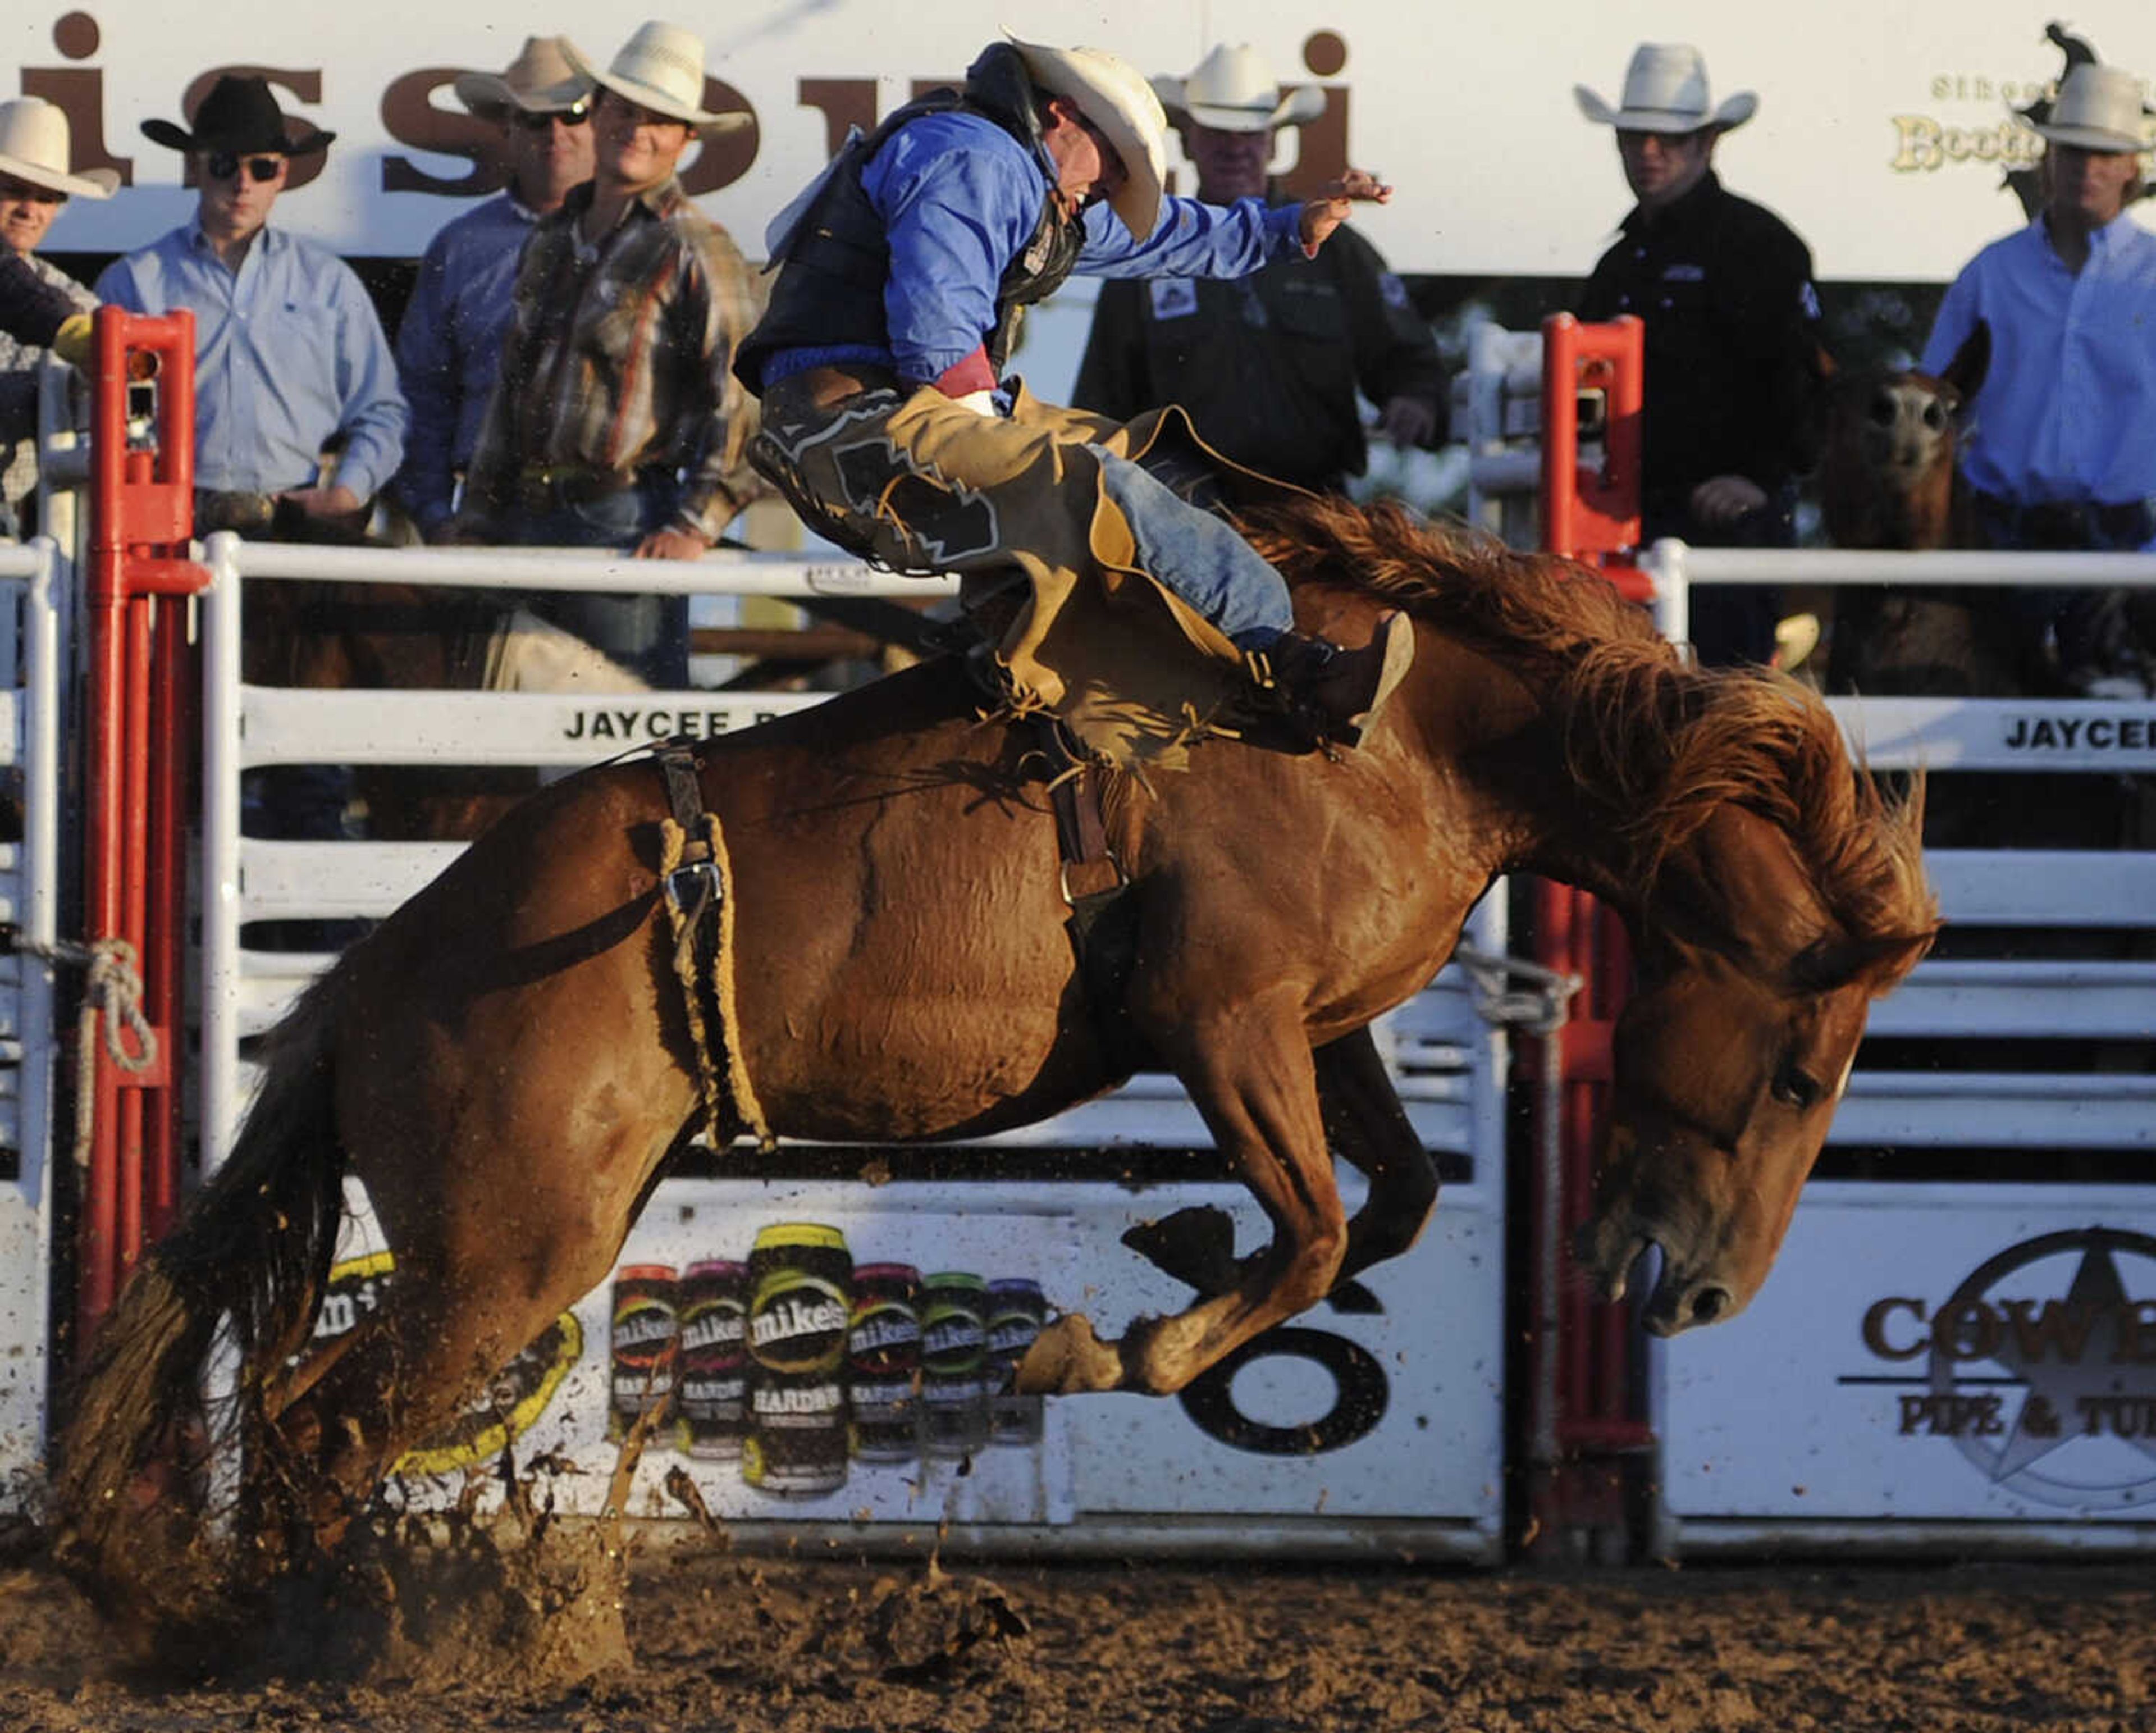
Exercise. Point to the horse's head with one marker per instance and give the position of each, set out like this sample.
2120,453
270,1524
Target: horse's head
1886,473
1731,1056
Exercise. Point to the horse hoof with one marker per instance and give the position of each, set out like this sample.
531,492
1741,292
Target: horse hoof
1067,1359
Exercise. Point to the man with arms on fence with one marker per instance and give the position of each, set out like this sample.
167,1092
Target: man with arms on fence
887,421
34,184
448,346
1733,335
2062,451
617,421
1267,365
290,356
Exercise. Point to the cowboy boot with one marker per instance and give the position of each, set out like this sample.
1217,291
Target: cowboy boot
1335,691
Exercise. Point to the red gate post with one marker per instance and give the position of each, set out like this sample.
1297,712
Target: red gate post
136,580
1587,1419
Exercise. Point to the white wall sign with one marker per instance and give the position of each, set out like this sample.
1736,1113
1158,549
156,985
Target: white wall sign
1882,133
1930,1352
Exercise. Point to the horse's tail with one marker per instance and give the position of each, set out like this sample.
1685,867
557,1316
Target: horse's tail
249,1253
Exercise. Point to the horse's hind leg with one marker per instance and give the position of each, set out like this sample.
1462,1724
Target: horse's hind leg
452,1314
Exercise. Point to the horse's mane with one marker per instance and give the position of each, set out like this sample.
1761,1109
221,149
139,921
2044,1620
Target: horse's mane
1658,744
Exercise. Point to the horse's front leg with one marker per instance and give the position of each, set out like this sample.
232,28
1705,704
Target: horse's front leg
1249,1073
1368,1128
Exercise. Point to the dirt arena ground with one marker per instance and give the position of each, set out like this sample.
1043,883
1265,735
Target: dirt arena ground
706,1639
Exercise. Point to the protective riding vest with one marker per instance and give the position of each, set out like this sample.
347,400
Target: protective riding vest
837,259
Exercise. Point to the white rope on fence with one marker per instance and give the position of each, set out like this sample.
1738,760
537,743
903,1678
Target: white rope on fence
112,993
1542,1008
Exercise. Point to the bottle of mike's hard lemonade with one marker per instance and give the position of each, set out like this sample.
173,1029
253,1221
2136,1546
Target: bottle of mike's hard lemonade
1016,1310
883,1363
713,1382
954,1390
644,1341
800,1280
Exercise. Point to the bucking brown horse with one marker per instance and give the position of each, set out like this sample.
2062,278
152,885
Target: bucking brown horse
505,1062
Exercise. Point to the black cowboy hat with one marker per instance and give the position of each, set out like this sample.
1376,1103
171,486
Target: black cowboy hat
240,115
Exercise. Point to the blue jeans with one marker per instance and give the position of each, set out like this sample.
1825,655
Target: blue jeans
1198,557
648,635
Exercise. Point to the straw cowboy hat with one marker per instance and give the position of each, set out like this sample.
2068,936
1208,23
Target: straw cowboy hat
240,114
1110,93
33,147
1666,91
2099,108
661,68
539,81
1234,90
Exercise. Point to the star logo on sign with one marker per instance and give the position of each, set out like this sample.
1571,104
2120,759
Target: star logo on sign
2088,1361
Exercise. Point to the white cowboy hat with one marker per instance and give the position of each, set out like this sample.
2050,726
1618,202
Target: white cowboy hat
1234,90
1666,91
33,147
1110,93
539,81
2099,109
661,68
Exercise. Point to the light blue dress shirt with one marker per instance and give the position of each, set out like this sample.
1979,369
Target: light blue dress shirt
288,351
449,348
2067,411
960,198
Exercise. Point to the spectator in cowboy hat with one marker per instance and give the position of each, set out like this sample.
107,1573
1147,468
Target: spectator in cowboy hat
616,421
290,360
290,356
1732,336
34,184
449,348
905,267
2063,450
1268,365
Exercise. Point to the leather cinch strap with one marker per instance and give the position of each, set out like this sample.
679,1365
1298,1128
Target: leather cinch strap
697,884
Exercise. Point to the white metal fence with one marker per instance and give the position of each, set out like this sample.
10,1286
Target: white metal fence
30,722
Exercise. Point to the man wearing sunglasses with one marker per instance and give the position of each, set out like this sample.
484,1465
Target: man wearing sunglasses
1732,338
290,356
448,346
888,423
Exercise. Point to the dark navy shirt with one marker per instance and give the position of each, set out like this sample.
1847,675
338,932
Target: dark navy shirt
1733,337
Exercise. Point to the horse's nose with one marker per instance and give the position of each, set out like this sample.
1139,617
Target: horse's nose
1710,1303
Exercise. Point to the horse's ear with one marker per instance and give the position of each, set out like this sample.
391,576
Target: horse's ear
1971,362
1834,963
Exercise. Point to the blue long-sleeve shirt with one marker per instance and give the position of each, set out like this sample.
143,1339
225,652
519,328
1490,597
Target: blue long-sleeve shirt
448,348
2067,411
960,197
288,351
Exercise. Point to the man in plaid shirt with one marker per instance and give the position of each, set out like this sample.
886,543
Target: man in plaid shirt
616,421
